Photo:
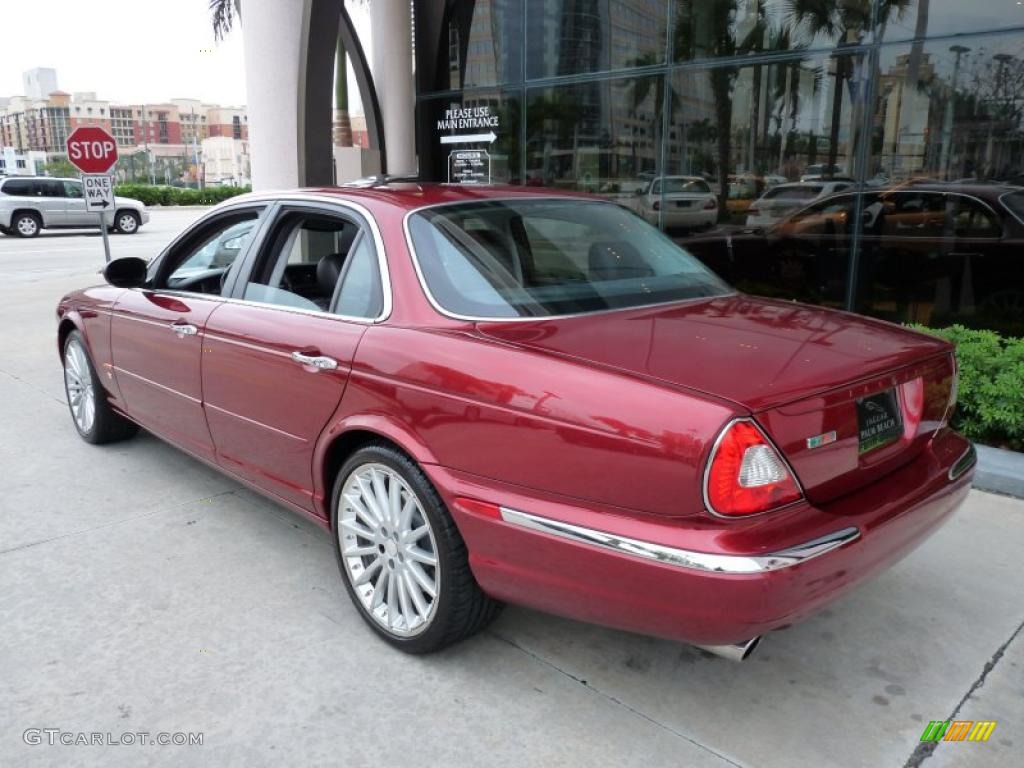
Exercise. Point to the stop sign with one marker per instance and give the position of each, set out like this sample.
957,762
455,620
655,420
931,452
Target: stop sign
91,149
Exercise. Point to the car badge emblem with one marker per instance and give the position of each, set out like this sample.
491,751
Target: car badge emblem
819,440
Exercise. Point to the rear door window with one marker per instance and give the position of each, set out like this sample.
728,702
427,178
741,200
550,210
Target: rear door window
914,214
969,218
50,188
320,261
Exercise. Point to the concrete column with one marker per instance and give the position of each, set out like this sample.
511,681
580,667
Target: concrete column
273,35
391,65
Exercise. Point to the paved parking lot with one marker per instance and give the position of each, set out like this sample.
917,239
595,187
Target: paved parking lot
142,591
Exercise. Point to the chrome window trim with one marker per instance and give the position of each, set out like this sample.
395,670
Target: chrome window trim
706,562
1007,208
711,457
293,197
268,305
483,318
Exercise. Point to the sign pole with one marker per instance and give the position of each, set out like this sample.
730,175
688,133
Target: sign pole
93,151
106,237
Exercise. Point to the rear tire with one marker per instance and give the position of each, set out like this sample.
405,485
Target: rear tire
26,224
127,222
396,543
91,414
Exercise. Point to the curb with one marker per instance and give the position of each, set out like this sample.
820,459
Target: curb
1000,471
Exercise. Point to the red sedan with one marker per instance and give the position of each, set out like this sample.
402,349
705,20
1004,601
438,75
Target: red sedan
492,395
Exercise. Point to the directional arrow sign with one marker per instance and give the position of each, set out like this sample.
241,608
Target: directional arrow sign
98,190
469,138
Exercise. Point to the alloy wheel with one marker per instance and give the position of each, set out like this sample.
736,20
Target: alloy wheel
27,226
127,223
78,381
388,549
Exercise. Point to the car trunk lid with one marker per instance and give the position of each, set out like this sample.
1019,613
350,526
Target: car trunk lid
803,373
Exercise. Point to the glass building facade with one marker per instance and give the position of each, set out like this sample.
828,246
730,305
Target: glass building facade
861,154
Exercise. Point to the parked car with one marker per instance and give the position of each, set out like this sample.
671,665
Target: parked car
936,254
506,394
817,171
688,200
30,204
782,200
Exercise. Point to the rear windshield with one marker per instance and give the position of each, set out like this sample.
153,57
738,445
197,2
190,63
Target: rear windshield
805,192
539,258
677,186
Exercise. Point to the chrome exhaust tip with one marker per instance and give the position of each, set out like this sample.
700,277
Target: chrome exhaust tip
735,651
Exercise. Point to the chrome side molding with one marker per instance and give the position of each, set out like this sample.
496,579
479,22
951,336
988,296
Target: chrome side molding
683,558
967,460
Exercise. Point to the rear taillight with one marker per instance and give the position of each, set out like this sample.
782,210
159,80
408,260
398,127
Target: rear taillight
912,397
710,205
746,475
752,211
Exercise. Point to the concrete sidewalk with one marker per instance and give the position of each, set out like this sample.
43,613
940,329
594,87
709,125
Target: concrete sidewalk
142,591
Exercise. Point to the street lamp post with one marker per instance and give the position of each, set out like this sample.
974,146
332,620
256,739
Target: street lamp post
1002,59
947,120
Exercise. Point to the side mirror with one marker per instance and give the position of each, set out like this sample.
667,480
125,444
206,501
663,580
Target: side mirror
127,272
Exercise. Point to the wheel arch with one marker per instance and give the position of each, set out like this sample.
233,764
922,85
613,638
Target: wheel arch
71,321
346,437
32,212
132,211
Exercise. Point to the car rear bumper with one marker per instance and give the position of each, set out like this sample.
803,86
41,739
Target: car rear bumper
699,580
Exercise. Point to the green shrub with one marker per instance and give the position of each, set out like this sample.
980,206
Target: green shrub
990,403
162,195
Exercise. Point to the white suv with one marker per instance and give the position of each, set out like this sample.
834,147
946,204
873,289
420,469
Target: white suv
29,204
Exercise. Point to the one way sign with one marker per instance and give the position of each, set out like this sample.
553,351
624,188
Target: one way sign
99,191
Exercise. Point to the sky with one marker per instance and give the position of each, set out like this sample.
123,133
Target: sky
125,50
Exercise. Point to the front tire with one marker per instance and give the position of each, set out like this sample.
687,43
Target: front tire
26,224
91,414
127,222
403,562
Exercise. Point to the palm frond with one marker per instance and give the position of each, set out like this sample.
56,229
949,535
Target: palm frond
222,15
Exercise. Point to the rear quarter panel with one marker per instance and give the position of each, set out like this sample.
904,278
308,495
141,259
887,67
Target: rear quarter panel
536,420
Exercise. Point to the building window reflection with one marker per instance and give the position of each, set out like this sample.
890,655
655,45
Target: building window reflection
852,153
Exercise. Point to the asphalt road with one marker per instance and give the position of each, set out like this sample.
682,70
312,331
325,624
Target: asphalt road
143,592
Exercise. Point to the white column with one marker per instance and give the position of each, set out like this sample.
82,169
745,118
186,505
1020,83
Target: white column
391,66
272,33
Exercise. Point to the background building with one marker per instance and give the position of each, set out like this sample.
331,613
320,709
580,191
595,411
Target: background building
39,83
226,161
160,143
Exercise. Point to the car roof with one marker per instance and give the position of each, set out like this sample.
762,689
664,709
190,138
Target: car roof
413,195
993,190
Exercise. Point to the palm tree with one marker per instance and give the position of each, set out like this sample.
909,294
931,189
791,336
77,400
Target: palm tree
222,14
844,21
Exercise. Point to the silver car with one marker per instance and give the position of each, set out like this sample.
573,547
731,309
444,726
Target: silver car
29,204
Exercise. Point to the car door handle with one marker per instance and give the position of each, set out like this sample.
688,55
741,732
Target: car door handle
320,362
181,330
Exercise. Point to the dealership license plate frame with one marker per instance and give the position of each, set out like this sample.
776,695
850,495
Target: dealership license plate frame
879,420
